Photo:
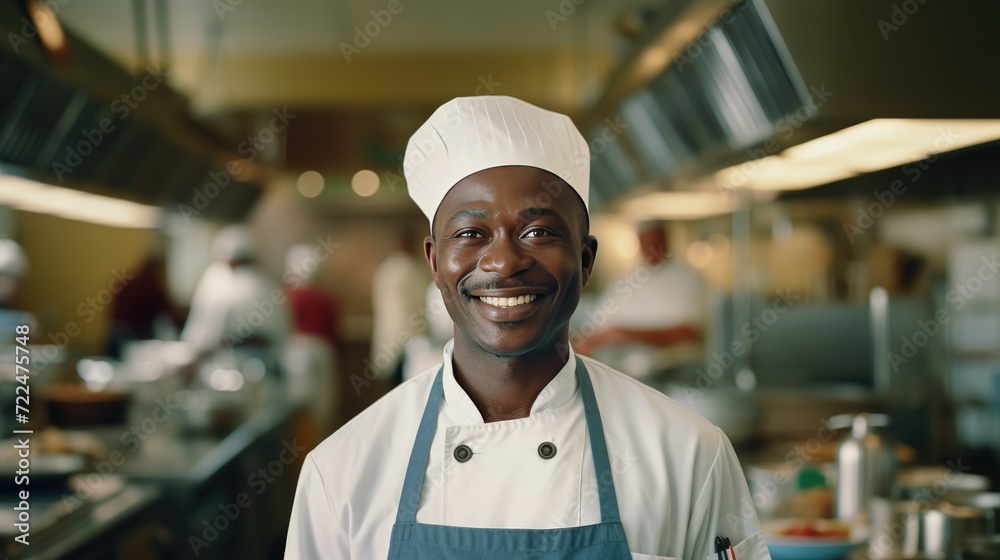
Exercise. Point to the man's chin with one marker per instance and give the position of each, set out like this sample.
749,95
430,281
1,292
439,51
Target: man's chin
506,345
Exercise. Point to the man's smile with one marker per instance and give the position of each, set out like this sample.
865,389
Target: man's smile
508,301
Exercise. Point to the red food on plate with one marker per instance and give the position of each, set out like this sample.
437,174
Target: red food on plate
817,529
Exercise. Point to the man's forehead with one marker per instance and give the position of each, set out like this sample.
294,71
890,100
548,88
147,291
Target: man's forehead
527,191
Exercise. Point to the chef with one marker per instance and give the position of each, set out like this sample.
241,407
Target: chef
516,447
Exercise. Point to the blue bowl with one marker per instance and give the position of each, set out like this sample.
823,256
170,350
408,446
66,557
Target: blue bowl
811,549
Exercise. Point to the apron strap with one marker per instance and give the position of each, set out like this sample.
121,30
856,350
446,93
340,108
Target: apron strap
413,484
598,446
416,470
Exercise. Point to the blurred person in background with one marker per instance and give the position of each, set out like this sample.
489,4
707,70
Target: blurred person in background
310,358
236,305
514,446
13,268
662,305
423,351
398,296
142,308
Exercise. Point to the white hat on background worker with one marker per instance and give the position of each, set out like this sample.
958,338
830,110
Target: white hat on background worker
233,243
13,262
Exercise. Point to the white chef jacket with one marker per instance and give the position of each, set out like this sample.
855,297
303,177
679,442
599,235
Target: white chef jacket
228,304
398,297
677,478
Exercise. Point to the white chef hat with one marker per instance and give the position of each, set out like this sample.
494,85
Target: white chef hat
470,134
232,243
12,259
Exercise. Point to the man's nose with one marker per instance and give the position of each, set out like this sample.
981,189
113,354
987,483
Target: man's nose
504,256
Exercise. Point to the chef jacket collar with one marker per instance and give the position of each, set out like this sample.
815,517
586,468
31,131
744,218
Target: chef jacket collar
558,392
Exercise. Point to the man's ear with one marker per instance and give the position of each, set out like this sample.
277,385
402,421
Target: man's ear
430,252
589,256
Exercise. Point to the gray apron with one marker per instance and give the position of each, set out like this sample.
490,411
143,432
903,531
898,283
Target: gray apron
420,541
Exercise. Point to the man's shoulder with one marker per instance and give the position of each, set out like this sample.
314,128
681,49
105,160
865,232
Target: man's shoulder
632,402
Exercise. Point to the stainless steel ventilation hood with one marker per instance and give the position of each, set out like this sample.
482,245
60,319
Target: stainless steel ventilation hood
717,82
84,123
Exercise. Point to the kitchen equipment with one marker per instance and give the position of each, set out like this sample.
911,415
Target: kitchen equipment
76,405
986,502
48,470
866,464
772,486
912,529
981,548
734,411
933,482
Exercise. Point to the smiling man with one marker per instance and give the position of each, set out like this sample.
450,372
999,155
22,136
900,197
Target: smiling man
515,447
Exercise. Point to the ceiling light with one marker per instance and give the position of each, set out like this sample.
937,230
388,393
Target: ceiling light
310,184
32,196
700,254
870,146
627,244
677,205
365,182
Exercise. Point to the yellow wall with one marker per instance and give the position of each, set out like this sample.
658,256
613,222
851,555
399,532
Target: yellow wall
70,262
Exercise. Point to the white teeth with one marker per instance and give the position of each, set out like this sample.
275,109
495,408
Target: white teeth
508,302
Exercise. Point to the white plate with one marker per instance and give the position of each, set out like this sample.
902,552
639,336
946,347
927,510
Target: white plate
808,548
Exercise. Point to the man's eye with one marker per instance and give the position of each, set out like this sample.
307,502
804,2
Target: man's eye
468,234
536,233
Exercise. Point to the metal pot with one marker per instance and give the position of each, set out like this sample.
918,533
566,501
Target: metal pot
916,529
986,502
981,548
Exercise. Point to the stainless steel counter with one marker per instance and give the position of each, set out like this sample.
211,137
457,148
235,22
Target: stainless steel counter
181,481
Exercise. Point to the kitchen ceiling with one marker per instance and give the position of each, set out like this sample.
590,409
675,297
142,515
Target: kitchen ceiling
359,78
254,53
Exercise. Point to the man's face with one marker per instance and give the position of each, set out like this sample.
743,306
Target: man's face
510,254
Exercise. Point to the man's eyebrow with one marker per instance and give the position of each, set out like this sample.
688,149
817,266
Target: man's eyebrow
468,213
532,213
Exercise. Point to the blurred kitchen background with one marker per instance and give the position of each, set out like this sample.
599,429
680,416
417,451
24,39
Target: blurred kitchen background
827,170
